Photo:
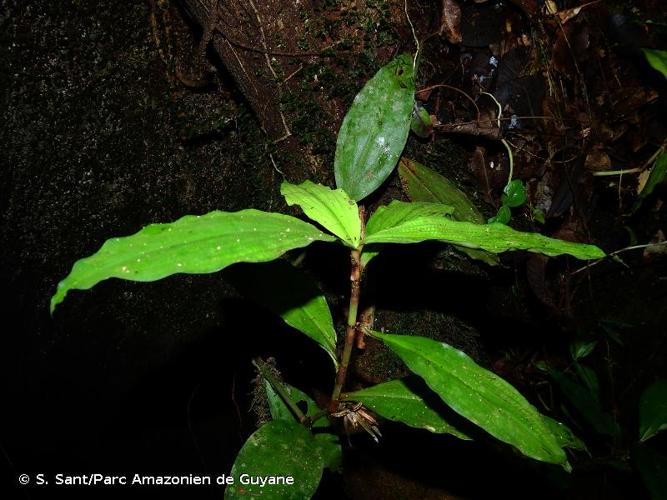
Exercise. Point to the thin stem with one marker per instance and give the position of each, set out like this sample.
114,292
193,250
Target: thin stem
604,173
279,388
613,254
351,330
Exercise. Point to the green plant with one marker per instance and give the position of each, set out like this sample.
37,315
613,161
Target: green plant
370,142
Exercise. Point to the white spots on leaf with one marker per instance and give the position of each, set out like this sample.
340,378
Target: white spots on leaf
380,141
178,264
218,247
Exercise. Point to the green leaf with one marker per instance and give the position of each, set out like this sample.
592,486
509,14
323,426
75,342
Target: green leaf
369,253
652,466
424,184
514,194
588,407
279,448
291,294
564,435
657,59
398,212
375,129
492,237
539,216
332,208
579,349
192,244
503,216
326,439
653,410
421,123
397,401
478,395
656,177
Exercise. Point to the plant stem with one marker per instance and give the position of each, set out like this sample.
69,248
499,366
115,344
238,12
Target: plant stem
351,330
279,388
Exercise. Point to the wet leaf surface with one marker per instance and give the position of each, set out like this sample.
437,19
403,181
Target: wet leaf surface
478,395
375,129
279,448
193,244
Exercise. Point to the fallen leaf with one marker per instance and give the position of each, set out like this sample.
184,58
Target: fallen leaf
450,25
597,160
641,180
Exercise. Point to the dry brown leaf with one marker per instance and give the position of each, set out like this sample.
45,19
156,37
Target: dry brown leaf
641,180
450,25
566,15
597,160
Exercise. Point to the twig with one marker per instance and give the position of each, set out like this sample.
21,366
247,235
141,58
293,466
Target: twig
414,35
635,170
612,254
261,32
293,73
444,85
507,146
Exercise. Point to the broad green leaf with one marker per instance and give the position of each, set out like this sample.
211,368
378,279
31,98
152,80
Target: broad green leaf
192,244
579,349
587,406
424,184
652,466
279,448
328,442
398,212
478,395
395,400
514,194
653,410
656,177
657,59
291,294
332,208
375,129
492,237
563,434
